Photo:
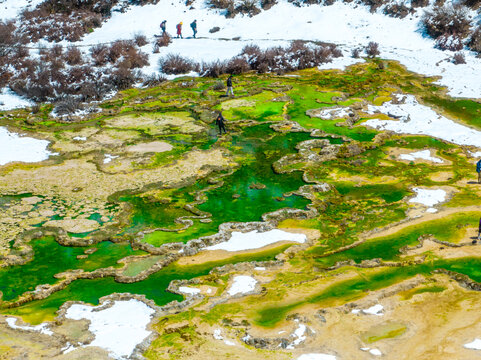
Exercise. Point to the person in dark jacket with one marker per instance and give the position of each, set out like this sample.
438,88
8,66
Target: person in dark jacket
179,30
163,26
220,121
478,170
193,25
229,86
479,231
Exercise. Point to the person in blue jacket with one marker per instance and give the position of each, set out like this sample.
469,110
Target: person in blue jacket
193,25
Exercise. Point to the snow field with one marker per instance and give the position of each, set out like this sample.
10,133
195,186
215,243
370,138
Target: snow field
429,197
242,284
422,154
14,147
373,310
255,240
189,290
9,100
41,328
418,119
348,25
119,328
475,344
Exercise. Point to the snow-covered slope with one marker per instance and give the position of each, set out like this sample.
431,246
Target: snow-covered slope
349,25
9,9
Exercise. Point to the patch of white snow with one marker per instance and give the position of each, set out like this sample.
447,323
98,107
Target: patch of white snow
41,328
417,119
189,290
14,147
254,240
242,284
374,310
475,344
423,154
428,197
108,158
375,352
119,328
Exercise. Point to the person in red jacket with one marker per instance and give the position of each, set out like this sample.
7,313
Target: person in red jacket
179,30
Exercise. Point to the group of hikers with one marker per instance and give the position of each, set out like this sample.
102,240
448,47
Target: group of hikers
178,27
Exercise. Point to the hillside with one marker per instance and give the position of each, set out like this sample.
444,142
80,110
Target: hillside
337,217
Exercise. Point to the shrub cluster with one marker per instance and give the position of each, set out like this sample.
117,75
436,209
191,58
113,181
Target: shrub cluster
232,8
448,25
57,20
458,58
58,73
176,64
475,40
372,49
277,59
162,41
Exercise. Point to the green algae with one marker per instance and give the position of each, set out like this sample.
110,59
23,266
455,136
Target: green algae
357,287
51,258
154,287
134,268
388,330
406,295
389,193
451,229
235,200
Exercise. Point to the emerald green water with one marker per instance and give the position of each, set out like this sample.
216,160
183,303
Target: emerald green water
235,200
50,258
153,287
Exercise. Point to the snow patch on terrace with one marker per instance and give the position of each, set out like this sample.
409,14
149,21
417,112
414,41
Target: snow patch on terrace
119,328
41,328
475,344
316,356
9,100
298,335
14,147
108,158
189,290
373,310
255,240
429,197
242,285
336,113
418,119
423,154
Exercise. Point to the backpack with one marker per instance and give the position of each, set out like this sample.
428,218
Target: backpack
193,25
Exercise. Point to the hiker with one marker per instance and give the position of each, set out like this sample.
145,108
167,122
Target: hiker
179,30
479,230
220,122
478,169
163,25
231,90
193,25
